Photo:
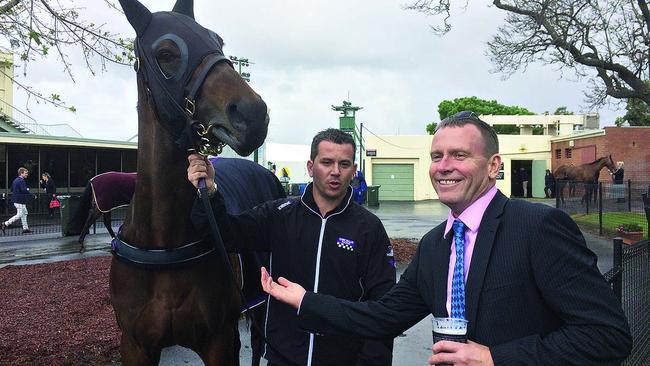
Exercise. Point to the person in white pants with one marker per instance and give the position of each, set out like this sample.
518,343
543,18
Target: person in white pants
20,192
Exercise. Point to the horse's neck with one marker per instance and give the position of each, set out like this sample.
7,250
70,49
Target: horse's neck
600,164
159,215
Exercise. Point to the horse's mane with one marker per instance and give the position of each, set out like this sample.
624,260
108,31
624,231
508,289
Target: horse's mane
598,160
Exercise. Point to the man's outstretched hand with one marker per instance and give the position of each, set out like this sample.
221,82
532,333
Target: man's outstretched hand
283,290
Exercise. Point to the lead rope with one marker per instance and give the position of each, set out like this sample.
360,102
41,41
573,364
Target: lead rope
221,249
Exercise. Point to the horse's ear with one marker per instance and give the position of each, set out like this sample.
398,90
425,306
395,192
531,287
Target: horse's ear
185,7
137,14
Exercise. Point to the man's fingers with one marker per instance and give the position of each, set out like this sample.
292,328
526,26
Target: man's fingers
446,346
284,282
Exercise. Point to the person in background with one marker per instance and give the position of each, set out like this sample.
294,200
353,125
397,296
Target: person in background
549,184
524,175
47,183
359,187
325,240
19,196
619,184
519,272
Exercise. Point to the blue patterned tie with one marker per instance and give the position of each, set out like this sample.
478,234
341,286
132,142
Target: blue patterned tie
458,278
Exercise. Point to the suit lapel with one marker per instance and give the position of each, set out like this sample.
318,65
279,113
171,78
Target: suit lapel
481,256
441,254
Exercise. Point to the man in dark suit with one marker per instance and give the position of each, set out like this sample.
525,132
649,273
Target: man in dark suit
531,289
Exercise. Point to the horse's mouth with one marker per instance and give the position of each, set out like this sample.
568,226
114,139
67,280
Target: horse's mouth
221,134
243,142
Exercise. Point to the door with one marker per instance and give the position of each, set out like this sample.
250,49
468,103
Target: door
396,181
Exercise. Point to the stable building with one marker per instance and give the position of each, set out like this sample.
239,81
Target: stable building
400,163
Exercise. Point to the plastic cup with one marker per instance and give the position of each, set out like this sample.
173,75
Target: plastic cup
449,329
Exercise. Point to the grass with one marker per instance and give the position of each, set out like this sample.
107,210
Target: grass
611,220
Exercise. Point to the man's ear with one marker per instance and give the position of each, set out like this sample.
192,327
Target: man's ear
494,164
310,168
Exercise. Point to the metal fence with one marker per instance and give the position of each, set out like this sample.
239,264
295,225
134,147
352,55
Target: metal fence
630,280
42,220
604,207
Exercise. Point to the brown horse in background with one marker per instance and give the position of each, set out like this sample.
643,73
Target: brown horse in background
586,174
185,86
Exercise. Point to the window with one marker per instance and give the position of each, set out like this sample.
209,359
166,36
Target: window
129,161
54,160
558,153
109,161
567,153
82,167
25,156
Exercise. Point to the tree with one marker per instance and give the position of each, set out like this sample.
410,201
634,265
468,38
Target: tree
562,111
638,113
36,29
431,128
479,106
607,42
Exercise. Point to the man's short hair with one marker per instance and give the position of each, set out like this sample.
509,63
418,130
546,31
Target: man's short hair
332,135
463,118
22,170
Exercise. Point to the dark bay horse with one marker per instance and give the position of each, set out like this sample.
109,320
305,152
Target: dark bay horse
586,174
189,95
104,193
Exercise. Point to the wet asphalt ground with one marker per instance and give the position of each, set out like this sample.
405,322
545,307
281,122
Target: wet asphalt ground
407,220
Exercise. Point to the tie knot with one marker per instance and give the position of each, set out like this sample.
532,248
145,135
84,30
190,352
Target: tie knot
459,227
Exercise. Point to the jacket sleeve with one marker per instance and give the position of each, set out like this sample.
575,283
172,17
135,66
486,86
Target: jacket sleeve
399,309
595,330
379,279
247,230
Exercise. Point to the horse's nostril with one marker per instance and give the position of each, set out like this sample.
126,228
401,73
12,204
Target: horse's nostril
246,112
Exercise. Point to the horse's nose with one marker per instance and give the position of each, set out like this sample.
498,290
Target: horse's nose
245,114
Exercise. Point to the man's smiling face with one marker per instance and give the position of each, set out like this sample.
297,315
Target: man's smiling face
460,172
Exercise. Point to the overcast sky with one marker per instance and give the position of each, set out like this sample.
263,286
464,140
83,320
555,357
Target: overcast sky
309,55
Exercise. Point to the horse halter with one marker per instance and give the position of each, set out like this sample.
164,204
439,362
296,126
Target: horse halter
174,96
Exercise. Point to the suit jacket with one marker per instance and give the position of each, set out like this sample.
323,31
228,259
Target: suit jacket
533,294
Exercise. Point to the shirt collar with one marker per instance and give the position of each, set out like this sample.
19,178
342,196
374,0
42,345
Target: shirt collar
308,200
473,214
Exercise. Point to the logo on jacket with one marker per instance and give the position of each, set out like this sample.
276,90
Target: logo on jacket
346,244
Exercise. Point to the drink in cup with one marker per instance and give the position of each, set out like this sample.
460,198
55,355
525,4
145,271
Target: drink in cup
449,329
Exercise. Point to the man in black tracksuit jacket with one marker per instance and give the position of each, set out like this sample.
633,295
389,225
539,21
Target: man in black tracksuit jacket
344,252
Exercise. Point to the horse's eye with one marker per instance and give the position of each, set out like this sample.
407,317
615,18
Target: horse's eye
168,62
164,55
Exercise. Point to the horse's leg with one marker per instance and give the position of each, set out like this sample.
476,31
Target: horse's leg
107,223
135,354
220,350
90,219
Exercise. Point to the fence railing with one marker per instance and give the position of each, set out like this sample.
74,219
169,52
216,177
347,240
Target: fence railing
603,207
630,281
42,220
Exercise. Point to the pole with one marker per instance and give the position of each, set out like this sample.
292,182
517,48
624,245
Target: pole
617,284
600,208
361,148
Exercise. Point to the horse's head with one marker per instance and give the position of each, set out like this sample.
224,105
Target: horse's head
609,163
193,85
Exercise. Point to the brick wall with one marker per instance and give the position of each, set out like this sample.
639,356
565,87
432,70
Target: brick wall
630,145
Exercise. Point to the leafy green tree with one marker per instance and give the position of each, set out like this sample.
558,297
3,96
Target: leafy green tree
605,42
479,106
637,113
37,29
562,111
431,128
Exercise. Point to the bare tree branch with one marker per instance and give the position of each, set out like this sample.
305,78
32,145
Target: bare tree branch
35,28
606,41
